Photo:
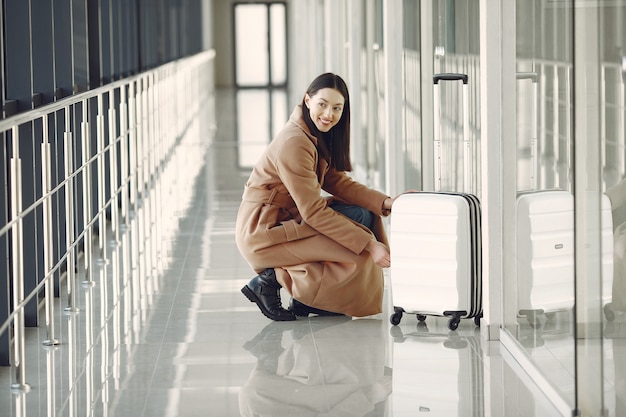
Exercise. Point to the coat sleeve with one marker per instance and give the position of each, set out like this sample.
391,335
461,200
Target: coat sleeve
342,186
296,163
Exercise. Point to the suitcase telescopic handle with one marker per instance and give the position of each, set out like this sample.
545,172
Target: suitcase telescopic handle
527,76
467,168
534,159
450,77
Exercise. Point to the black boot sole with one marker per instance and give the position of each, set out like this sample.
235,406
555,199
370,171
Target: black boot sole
250,295
304,311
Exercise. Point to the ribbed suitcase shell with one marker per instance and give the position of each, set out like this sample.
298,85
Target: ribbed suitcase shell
435,256
545,252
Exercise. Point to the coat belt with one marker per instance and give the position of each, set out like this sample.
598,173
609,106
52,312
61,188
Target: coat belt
273,197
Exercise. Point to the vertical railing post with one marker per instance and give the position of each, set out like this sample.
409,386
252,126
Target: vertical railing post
114,258
48,248
20,385
142,151
140,137
133,115
174,131
88,350
87,194
140,172
102,227
69,214
51,380
124,157
132,146
103,330
151,152
134,240
113,177
161,153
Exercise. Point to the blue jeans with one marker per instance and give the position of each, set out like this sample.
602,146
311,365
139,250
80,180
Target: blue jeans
356,213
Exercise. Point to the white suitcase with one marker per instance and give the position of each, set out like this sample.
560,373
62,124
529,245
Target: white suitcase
435,245
545,246
545,253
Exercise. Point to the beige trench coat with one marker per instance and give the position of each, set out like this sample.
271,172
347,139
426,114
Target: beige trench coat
285,223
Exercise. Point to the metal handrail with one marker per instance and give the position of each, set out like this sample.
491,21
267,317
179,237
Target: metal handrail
29,116
144,157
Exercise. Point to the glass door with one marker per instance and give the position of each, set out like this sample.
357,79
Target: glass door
260,76
260,44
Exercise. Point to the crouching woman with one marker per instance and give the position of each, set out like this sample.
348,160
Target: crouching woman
327,252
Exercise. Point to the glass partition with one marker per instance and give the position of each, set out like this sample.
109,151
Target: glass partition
541,313
565,306
610,76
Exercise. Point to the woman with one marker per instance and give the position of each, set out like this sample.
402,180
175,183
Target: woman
326,252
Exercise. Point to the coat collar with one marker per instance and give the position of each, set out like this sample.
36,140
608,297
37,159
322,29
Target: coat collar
297,119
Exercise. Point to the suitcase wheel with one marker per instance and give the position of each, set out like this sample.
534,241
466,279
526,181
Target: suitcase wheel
453,323
609,313
536,321
396,317
421,317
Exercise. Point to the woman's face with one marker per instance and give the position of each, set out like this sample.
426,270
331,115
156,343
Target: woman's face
325,108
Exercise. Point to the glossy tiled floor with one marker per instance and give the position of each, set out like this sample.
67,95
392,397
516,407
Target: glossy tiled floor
181,340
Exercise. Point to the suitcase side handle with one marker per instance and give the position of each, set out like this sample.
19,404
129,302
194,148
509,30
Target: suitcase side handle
450,77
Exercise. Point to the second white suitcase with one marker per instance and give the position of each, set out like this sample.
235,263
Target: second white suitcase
545,253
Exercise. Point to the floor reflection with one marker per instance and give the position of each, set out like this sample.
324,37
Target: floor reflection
450,369
303,370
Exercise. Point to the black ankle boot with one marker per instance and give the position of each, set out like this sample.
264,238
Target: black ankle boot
264,290
303,310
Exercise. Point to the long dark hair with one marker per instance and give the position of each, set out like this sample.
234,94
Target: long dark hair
333,145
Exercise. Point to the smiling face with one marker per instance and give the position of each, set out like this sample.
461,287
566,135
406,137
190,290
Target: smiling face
325,108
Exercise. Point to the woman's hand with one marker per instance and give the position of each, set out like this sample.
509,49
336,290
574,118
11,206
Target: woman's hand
388,202
379,253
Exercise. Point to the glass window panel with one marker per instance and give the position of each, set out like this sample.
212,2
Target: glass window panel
253,125
251,45
278,40
280,112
